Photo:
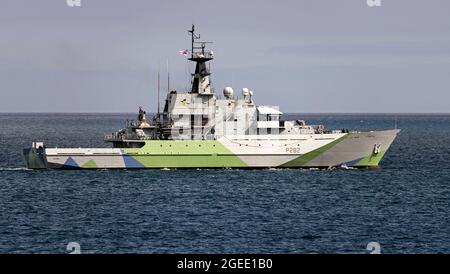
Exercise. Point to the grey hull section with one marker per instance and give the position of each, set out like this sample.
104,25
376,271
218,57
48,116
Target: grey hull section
35,158
361,149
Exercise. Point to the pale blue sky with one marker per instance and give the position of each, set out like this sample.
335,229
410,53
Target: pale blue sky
304,55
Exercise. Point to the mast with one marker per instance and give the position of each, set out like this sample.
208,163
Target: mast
193,37
201,83
158,90
168,77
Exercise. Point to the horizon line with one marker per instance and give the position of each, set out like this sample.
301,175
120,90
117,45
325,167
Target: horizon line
89,112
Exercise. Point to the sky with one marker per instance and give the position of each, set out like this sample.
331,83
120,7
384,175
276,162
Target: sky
306,56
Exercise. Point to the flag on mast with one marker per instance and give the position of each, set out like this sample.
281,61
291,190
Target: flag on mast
184,52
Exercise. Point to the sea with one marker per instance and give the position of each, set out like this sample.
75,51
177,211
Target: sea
404,206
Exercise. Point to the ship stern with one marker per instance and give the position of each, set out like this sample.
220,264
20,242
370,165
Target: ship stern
34,157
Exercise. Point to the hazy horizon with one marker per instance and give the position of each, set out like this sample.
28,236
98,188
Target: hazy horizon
322,56
284,113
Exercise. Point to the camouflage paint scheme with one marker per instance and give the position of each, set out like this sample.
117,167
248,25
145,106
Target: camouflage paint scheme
352,150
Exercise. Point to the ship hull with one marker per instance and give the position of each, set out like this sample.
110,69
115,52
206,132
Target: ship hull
356,149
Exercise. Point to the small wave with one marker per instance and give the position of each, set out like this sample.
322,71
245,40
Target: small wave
14,169
346,167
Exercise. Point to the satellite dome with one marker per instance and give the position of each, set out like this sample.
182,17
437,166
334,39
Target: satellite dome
228,92
245,92
251,92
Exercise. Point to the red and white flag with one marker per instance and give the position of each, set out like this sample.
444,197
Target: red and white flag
184,52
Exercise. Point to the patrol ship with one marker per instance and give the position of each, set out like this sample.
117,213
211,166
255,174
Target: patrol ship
201,129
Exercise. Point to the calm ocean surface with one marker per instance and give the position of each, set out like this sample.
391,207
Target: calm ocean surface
405,205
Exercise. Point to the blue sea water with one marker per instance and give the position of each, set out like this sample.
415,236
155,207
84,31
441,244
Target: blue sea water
404,205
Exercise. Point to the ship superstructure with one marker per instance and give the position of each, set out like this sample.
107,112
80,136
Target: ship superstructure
201,129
